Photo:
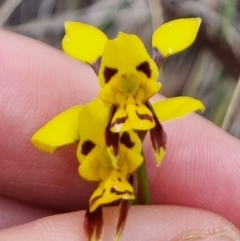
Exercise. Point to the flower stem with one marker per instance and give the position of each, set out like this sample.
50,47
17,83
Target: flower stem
144,183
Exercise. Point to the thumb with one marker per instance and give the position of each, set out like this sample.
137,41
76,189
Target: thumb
144,223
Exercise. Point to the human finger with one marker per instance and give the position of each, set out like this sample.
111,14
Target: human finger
201,165
15,212
143,223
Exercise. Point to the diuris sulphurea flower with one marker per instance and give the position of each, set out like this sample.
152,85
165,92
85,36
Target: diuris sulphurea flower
128,75
88,124
110,129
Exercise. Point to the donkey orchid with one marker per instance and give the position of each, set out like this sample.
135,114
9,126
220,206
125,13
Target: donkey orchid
110,129
87,125
128,75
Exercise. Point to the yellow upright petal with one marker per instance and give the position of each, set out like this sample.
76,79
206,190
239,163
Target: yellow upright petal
175,36
176,107
61,130
159,155
83,42
126,54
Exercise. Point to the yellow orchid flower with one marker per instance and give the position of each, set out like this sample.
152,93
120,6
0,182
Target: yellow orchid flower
128,75
88,125
110,129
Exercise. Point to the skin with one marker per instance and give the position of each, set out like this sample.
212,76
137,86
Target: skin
201,169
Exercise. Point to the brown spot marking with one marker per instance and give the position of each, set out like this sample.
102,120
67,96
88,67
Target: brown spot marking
112,138
119,121
93,223
141,134
130,179
123,211
108,73
157,134
145,68
114,190
87,146
119,179
126,140
97,197
144,117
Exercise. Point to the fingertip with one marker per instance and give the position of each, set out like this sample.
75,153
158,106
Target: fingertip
38,82
201,166
143,223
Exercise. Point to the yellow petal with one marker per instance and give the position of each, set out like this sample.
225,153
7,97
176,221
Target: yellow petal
159,155
131,140
126,54
175,36
61,130
83,42
132,159
137,118
115,161
176,107
89,168
93,121
159,139
150,89
108,93
115,187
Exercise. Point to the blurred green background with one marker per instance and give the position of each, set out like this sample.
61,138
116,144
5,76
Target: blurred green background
209,70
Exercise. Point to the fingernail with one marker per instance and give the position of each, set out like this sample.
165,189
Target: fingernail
216,238
212,237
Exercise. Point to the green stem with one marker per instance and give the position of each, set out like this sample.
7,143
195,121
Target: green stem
144,183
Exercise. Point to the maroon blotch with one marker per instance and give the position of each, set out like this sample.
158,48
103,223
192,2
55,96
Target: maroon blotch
123,211
126,140
93,223
112,138
108,73
97,197
87,146
144,116
115,191
157,134
119,121
145,68
141,134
